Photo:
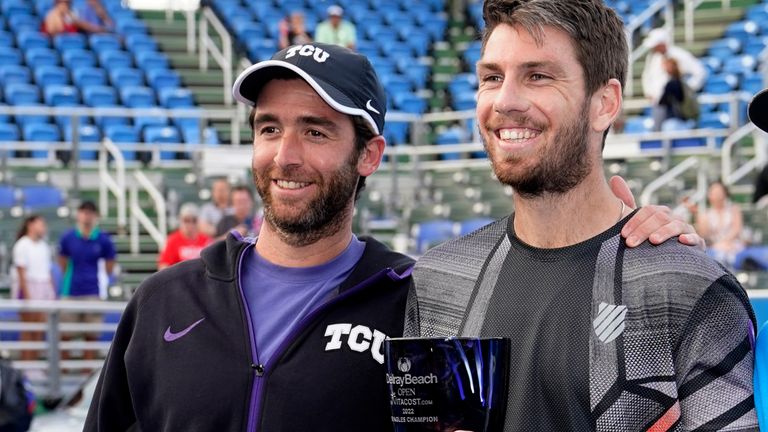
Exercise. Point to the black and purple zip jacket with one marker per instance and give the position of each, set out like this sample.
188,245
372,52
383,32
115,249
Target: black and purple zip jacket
184,356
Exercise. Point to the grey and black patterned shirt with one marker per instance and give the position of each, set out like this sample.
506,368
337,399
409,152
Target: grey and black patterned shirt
604,337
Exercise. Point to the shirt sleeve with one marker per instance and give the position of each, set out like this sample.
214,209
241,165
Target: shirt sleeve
20,254
108,248
715,361
64,246
170,254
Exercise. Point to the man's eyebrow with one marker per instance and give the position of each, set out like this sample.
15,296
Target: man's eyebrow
488,66
318,121
263,118
543,64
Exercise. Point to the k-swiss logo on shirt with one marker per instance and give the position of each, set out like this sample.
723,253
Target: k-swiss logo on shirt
319,54
609,323
359,338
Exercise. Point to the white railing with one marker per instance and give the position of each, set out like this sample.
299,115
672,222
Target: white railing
659,6
173,6
158,231
54,343
112,184
693,162
727,172
222,56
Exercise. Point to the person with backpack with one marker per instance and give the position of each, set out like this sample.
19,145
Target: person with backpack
678,100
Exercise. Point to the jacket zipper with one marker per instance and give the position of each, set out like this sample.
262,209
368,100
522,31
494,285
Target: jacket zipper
262,370
257,367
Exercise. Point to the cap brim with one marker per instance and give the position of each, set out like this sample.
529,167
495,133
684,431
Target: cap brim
758,110
250,82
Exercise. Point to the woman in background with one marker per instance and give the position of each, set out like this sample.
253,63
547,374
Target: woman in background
32,278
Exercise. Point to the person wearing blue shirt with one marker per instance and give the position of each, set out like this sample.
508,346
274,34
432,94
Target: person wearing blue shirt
80,250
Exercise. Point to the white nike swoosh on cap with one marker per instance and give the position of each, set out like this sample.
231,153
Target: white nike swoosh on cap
370,107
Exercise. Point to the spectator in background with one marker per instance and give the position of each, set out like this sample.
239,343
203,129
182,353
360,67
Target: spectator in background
678,101
243,218
336,30
293,30
212,212
655,76
62,19
93,12
31,276
186,242
721,224
80,251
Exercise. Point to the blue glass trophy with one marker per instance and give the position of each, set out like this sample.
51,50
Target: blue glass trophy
447,384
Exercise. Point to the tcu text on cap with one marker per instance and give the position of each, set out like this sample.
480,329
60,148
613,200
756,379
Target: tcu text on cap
318,54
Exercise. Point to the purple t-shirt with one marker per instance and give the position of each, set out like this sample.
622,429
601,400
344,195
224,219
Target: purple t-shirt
280,297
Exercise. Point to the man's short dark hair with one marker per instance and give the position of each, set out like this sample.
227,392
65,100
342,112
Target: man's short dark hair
595,29
88,206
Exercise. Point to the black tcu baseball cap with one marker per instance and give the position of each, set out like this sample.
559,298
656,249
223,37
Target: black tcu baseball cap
758,110
343,78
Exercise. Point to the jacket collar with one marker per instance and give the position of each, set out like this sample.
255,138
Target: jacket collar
221,259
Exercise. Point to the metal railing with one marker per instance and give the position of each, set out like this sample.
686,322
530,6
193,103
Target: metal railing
51,369
158,231
112,185
222,56
728,174
693,162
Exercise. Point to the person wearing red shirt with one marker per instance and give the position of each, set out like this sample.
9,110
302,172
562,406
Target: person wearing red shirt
186,242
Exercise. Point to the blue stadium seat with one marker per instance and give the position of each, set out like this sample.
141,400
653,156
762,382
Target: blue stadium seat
123,134
103,41
740,64
8,196
137,96
86,134
724,48
742,30
125,77
6,40
159,119
410,103
752,83
435,26
454,135
714,65
67,41
9,132
100,96
130,26
88,76
176,98
714,120
756,45
64,122
191,135
15,7
432,232
110,59
20,22
14,73
394,83
148,60
41,132
471,225
36,57
724,83
23,120
37,197
61,95
32,39
140,42
76,57
10,56
396,132
638,125
463,100
160,135
21,94
46,75
162,78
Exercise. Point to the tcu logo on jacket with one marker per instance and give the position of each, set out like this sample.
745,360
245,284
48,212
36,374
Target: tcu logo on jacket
359,338
318,54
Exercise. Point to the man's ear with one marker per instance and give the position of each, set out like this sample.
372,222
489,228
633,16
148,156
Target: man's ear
370,157
606,106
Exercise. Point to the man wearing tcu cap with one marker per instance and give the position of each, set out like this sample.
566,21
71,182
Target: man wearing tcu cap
283,332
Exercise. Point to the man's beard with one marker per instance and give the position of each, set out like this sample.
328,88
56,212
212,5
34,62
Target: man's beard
564,162
323,216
